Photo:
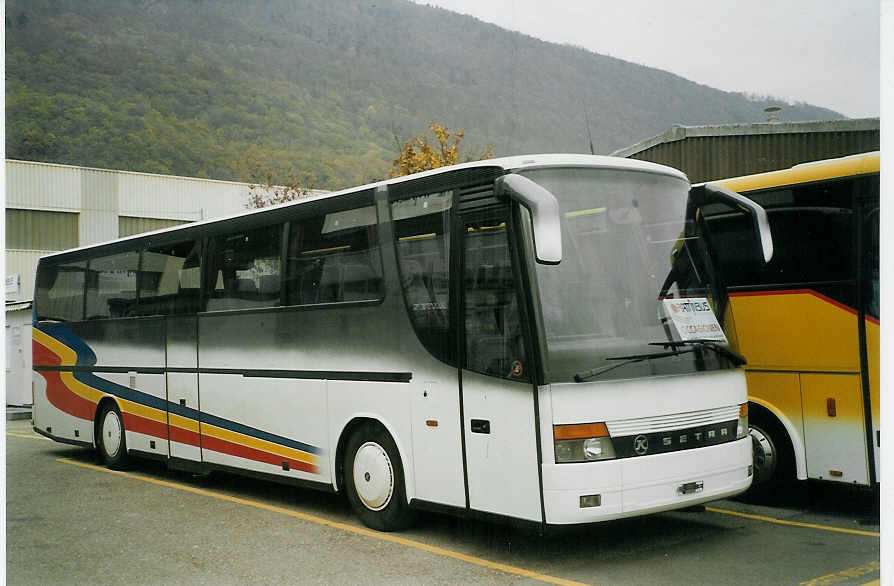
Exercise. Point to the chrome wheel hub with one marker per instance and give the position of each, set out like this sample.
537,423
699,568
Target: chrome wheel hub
764,455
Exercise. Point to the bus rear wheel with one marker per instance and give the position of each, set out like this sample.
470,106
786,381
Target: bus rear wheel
374,480
111,441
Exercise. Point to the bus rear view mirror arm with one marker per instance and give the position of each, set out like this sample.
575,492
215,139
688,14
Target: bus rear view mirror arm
544,214
708,192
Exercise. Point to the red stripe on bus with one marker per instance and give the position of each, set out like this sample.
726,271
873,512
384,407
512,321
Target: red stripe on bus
64,399
225,447
183,436
43,356
145,426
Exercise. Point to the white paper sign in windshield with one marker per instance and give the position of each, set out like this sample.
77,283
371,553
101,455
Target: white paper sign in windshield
694,319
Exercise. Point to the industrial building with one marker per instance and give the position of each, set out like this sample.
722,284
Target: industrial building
55,207
706,153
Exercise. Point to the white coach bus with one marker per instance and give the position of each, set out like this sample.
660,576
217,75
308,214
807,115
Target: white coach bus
530,338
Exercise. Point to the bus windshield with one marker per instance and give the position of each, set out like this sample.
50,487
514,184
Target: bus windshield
623,252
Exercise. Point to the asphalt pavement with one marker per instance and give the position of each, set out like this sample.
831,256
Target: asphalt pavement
72,521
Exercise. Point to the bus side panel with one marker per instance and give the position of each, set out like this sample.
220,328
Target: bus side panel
53,420
387,403
255,423
780,392
62,408
795,330
132,343
98,359
436,444
834,427
135,345
181,347
145,425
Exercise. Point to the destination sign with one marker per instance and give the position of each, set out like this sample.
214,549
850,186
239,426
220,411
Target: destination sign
694,319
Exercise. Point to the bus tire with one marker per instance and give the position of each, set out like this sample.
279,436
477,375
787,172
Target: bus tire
773,460
374,480
111,442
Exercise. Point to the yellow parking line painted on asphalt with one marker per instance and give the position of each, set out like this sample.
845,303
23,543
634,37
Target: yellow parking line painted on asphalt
873,583
337,525
794,523
28,436
841,576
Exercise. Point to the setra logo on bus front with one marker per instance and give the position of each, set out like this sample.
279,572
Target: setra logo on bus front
641,445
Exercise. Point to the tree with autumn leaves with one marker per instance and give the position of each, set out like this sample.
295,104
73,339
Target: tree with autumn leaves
418,154
414,155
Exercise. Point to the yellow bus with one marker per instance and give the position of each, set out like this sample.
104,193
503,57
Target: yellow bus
808,321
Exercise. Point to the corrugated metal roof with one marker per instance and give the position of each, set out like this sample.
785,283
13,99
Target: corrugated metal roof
680,132
29,186
707,153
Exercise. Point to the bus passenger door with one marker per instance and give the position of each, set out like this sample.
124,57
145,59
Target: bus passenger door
183,387
499,425
870,334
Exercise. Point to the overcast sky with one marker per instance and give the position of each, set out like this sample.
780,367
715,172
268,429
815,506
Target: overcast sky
824,52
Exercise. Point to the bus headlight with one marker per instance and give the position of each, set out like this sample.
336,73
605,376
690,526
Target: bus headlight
742,425
583,442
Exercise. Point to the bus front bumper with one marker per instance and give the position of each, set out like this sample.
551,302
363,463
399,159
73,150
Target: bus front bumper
647,484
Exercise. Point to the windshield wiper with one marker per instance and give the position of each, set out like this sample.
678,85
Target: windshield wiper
582,376
734,357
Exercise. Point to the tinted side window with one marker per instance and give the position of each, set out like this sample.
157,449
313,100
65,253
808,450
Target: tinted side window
245,268
334,258
809,245
872,289
112,285
422,231
493,338
169,279
812,231
60,291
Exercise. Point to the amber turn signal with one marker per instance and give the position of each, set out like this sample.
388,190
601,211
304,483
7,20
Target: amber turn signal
579,431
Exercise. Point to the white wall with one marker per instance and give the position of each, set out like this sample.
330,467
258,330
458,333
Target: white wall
100,196
18,357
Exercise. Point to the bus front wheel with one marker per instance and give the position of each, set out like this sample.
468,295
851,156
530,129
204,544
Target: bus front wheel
773,460
112,444
374,480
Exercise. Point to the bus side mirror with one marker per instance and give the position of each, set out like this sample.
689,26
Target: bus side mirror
544,214
707,193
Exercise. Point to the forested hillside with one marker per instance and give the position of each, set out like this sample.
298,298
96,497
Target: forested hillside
214,88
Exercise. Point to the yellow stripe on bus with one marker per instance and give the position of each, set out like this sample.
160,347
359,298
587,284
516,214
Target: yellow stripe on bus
183,422
142,410
818,171
77,387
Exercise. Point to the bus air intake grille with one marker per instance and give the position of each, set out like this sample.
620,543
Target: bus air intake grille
660,423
